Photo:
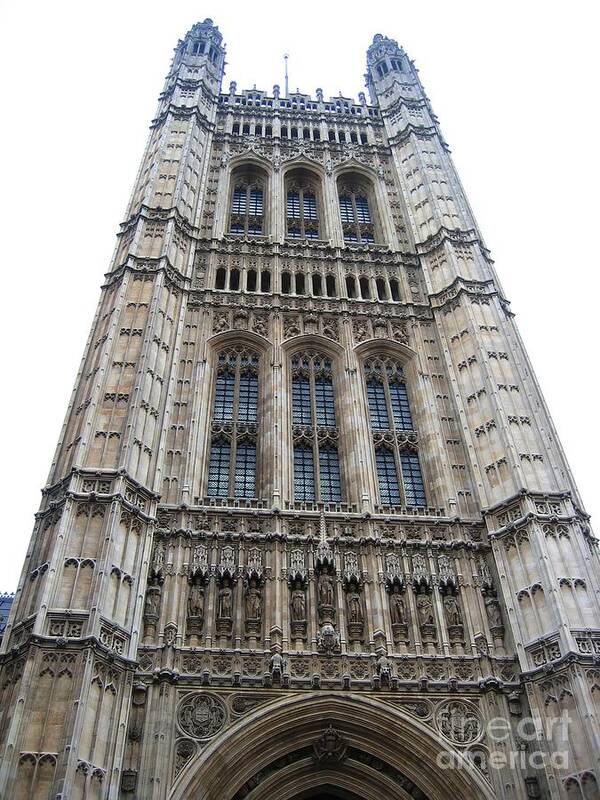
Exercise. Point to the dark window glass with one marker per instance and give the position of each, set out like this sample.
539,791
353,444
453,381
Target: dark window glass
324,402
389,492
304,474
346,209
310,206
238,206
245,470
248,400
293,205
400,406
301,405
256,203
362,211
377,405
329,472
412,478
218,469
223,406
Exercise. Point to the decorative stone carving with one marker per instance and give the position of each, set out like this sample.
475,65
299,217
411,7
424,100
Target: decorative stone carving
354,612
195,607
458,722
298,610
330,746
426,617
277,666
201,715
253,607
398,614
326,591
225,606
328,640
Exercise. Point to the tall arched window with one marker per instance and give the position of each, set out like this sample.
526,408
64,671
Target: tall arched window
317,475
247,212
235,425
396,458
356,210
302,205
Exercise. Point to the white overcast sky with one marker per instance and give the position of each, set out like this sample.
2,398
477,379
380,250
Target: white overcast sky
515,85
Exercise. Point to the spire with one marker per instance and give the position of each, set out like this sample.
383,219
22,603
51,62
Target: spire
386,61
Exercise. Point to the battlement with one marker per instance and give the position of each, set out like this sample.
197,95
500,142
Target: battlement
297,102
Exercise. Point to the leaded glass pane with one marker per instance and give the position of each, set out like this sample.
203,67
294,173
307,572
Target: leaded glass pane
412,478
400,406
248,400
329,469
245,470
218,469
324,402
256,203
301,407
346,210
389,491
238,205
310,206
223,407
304,474
293,205
377,405
362,211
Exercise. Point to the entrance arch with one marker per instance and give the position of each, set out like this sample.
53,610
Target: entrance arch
310,743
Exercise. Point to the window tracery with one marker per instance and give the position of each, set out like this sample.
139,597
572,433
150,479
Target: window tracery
233,453
395,440
317,473
356,210
247,209
302,215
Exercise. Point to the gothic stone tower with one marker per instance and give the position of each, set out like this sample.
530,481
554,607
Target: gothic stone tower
308,530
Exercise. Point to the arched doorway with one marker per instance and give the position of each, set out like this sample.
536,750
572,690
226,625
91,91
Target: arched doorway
331,746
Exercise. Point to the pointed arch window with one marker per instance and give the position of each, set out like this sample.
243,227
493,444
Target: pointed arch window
395,440
317,472
232,465
302,215
355,210
247,212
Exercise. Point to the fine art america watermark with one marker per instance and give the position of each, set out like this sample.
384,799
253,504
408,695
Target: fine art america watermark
527,746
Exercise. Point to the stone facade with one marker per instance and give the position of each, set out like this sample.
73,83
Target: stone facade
308,523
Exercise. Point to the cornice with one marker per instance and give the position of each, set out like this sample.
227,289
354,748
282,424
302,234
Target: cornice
148,266
455,236
419,132
441,299
183,112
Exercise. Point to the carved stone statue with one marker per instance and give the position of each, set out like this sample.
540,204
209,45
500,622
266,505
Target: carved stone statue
253,601
152,602
326,589
384,668
355,612
276,665
397,607
225,600
452,610
494,615
298,605
195,604
425,609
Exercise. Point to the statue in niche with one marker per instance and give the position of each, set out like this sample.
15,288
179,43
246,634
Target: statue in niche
225,600
253,600
152,602
452,610
425,609
494,614
326,589
355,612
397,606
298,604
195,604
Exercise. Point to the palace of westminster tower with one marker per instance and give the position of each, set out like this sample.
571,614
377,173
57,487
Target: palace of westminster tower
308,531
